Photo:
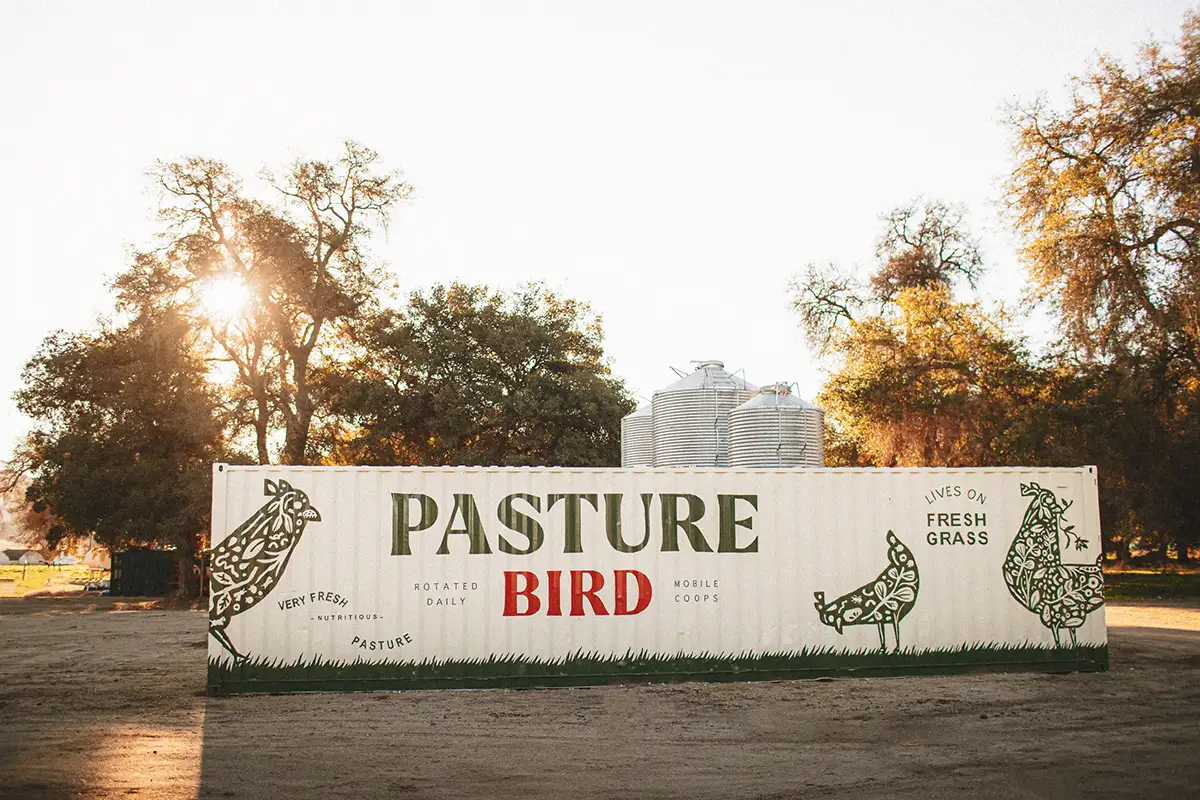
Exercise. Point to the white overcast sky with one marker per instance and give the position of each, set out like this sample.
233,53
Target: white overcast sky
672,163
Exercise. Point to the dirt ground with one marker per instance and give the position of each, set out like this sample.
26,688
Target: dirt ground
99,700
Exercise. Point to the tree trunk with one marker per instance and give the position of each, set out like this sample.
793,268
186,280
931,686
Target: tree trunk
260,435
262,424
1123,554
185,567
188,584
296,443
295,449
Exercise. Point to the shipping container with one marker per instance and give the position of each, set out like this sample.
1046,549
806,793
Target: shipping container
387,578
141,572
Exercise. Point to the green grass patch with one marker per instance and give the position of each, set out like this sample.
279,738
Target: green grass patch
588,669
42,577
1145,585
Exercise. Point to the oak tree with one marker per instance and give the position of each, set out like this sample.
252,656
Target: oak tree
272,285
126,428
920,378
933,383
925,244
1105,194
468,375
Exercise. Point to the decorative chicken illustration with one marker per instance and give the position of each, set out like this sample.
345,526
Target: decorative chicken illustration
886,599
1062,595
247,565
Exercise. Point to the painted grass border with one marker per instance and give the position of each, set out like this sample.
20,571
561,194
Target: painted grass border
591,669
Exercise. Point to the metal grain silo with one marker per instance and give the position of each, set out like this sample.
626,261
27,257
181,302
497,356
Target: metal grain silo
776,429
691,417
637,438
816,436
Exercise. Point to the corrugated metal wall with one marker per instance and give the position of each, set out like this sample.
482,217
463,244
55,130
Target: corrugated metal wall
814,530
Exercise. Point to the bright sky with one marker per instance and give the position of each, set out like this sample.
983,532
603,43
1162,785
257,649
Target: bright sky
672,163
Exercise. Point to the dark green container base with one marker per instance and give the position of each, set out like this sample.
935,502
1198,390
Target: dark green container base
584,669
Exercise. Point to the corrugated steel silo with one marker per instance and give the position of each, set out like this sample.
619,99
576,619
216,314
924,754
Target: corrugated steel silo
691,417
776,430
816,437
637,438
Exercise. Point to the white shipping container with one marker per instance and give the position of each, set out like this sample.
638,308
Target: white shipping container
326,578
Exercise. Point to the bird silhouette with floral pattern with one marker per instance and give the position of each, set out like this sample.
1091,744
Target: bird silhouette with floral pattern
1062,595
249,562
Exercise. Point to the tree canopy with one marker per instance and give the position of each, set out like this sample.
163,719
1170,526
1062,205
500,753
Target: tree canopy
922,379
924,245
1105,194
271,286
126,431
932,383
470,375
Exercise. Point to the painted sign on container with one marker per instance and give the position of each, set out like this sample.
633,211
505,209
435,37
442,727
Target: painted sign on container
326,578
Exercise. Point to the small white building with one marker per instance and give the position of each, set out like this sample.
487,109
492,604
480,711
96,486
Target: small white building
24,557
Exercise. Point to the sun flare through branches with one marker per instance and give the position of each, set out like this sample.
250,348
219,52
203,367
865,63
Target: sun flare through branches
225,298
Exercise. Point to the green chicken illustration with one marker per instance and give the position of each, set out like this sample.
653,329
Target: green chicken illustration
249,562
887,599
1062,595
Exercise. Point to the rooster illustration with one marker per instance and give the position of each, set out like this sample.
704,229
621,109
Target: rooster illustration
886,599
1062,595
247,565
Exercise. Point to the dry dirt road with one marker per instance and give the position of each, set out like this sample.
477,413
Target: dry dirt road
99,701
